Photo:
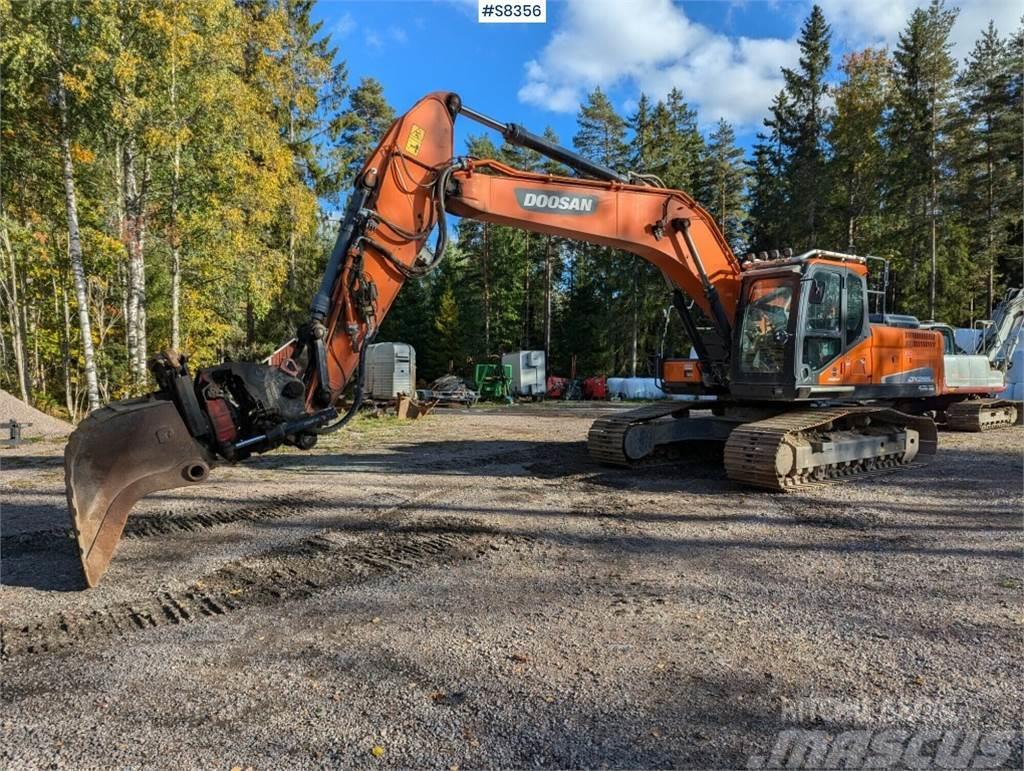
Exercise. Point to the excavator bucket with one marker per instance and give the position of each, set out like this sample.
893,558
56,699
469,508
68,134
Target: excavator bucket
117,455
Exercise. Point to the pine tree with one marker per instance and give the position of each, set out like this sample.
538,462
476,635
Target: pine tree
474,289
988,190
858,164
917,135
642,152
726,180
685,147
769,194
601,132
448,350
1013,266
802,122
552,260
363,127
600,277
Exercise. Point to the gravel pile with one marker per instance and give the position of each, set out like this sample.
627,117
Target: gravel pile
42,424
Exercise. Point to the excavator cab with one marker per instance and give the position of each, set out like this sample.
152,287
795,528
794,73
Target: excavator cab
796,318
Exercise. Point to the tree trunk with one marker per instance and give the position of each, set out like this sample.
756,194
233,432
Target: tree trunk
69,397
175,182
75,249
931,206
487,289
636,317
525,338
291,207
547,301
135,231
3,349
14,313
991,237
175,254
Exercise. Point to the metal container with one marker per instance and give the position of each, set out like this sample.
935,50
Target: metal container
529,372
390,370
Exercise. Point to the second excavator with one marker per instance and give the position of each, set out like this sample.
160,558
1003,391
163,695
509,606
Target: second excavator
806,388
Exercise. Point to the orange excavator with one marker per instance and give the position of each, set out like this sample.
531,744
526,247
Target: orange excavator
806,388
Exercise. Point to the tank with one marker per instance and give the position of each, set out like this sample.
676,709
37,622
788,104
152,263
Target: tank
528,372
390,370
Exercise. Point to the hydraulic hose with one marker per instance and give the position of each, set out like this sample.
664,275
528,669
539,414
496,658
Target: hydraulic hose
357,396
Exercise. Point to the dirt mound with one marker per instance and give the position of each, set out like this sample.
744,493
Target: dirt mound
42,424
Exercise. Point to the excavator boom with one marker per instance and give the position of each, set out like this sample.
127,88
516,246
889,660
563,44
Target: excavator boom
400,199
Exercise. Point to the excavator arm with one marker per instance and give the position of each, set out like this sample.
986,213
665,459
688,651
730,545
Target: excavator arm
400,201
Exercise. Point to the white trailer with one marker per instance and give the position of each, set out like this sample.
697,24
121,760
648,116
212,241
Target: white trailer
390,370
529,373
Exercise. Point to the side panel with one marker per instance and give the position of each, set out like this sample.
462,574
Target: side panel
677,373
891,362
970,373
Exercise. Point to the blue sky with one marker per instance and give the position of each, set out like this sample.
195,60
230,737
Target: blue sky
724,55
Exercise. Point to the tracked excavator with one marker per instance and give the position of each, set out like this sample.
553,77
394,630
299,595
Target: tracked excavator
806,388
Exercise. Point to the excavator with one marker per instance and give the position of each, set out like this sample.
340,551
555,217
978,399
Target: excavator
806,389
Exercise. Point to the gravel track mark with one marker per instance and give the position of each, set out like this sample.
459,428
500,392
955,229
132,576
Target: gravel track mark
292,572
149,525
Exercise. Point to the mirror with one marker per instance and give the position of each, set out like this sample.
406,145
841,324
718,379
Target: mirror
817,292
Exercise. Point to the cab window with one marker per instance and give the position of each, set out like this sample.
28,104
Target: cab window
854,308
948,341
823,339
765,327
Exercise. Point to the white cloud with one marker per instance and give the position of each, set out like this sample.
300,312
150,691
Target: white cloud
875,22
376,40
655,46
343,25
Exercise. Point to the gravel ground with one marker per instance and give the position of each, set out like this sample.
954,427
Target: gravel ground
469,590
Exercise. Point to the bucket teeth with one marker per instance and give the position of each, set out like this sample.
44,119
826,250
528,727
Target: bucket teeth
117,455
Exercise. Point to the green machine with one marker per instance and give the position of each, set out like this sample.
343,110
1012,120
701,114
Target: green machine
493,381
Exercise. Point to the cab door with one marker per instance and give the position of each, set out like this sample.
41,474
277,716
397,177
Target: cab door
833,332
764,345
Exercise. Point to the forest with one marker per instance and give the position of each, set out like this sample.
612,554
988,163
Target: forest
170,171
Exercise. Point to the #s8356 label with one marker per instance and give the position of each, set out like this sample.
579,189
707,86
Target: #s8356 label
532,12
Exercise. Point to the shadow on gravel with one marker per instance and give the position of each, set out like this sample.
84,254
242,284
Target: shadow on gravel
475,457
54,568
45,558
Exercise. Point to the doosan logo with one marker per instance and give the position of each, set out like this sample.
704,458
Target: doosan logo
562,203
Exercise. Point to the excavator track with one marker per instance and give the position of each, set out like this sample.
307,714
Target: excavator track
607,440
803,448
984,414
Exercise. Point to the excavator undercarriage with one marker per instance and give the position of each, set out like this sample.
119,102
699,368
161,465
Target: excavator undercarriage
771,447
977,415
